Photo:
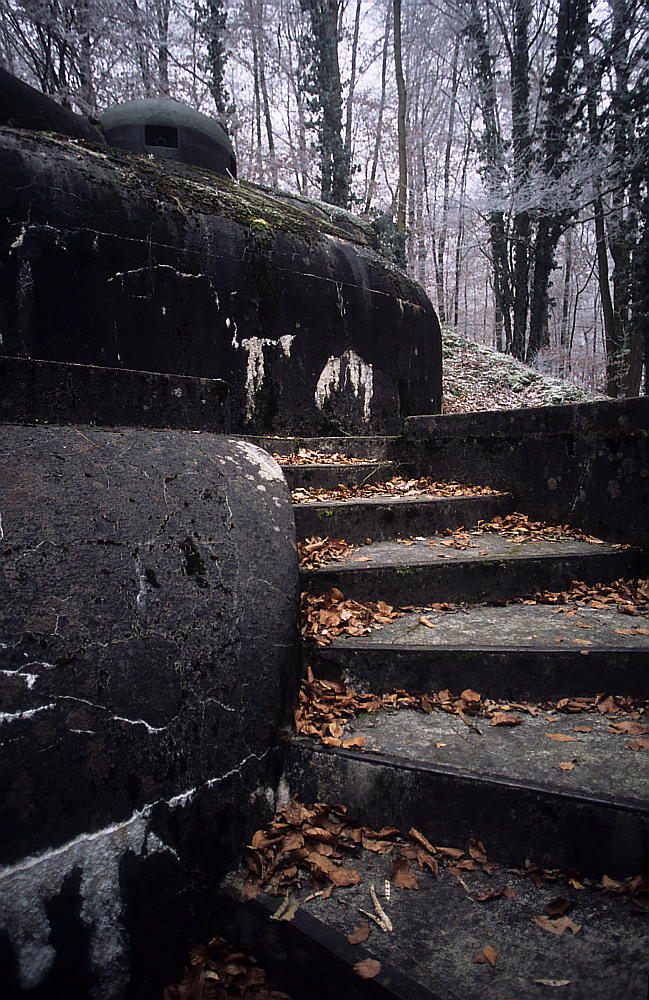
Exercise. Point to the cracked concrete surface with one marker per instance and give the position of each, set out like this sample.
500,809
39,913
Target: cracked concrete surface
148,593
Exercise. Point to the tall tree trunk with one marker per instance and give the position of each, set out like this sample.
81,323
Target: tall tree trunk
257,108
441,249
162,25
379,124
257,22
522,156
352,84
327,92
564,341
572,25
493,157
401,120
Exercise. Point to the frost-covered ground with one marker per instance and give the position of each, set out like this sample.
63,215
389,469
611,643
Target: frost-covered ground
478,378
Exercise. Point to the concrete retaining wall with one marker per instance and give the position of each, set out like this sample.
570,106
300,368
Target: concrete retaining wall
148,586
586,464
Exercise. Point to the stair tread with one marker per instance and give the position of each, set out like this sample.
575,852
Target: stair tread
523,754
514,626
430,551
442,927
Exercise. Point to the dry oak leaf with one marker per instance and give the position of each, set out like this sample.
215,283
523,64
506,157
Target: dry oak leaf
477,851
402,876
556,925
629,726
368,968
639,744
286,909
420,839
359,934
504,719
488,954
566,765
561,737
493,894
355,741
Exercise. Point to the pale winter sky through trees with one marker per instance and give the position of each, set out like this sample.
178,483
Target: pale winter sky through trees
526,139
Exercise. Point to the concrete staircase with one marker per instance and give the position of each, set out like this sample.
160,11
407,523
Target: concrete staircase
552,815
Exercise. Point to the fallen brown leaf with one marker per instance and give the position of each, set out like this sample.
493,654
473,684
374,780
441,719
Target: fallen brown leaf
488,954
368,968
402,876
355,741
420,839
639,744
560,737
628,726
557,925
359,934
504,719
566,765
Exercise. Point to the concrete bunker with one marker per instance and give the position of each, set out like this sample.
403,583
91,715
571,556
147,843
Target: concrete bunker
170,130
151,264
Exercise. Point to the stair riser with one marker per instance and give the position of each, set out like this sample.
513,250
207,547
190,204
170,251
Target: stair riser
382,520
478,580
516,674
514,822
330,476
373,449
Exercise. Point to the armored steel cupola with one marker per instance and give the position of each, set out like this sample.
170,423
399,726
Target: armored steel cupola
167,129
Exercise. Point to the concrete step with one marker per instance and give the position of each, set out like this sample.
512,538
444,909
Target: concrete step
496,568
522,652
438,930
385,518
499,784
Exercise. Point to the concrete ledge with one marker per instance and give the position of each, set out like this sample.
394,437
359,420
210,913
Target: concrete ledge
33,392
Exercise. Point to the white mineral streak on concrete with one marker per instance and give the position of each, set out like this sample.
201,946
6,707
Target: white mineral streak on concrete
156,846
115,718
18,242
140,600
149,268
28,886
286,342
266,465
255,371
229,322
27,714
29,679
339,373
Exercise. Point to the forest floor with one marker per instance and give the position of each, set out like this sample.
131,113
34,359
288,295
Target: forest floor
478,378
